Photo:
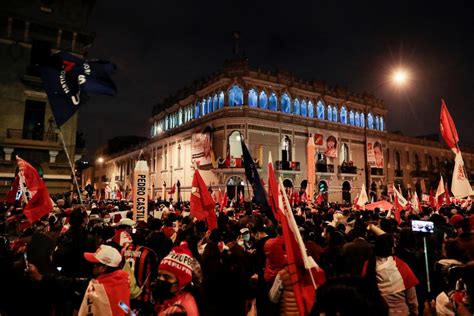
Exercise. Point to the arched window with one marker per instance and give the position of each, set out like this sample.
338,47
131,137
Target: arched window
215,103
351,118
273,102
377,126
263,100
329,113
203,107
221,100
304,108
398,160
285,103
334,114
285,149
252,98
209,105
343,115
235,144
362,120
370,121
357,119
236,96
320,110
344,153
197,109
382,127
310,109
296,107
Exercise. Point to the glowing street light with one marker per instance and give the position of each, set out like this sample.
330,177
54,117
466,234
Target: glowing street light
100,160
400,77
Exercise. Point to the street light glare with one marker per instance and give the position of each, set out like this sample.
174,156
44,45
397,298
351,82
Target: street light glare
400,77
100,160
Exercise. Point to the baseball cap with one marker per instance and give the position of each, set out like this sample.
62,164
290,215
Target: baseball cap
106,255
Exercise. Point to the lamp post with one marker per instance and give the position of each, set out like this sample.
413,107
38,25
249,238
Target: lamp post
399,78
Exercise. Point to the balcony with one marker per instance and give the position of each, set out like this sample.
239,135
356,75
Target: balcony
326,168
376,171
287,165
347,169
31,139
398,173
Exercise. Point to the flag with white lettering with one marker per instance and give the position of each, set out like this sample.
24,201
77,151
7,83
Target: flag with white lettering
66,79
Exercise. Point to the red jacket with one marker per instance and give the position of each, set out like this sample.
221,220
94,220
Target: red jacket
275,257
183,302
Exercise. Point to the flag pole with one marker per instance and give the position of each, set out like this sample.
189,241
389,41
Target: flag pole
61,137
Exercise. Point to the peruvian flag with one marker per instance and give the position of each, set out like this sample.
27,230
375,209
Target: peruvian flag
35,193
432,199
305,274
400,203
440,193
202,204
415,202
173,190
11,195
362,198
448,129
460,184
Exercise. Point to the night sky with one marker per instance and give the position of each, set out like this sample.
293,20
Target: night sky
162,46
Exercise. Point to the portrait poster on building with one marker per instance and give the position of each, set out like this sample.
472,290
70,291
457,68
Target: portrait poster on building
326,143
375,153
140,191
201,147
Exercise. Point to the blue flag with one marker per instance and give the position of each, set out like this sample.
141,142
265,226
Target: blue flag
259,194
67,79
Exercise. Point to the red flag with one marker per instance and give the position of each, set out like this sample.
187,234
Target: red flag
173,190
202,204
241,197
224,200
272,188
39,202
447,197
400,203
448,129
11,195
432,199
320,199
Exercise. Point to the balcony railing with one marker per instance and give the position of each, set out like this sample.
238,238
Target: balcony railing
322,167
32,135
399,173
287,165
376,171
347,169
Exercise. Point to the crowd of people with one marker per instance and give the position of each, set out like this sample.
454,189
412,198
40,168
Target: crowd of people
93,259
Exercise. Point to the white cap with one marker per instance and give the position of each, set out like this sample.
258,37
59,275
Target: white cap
126,222
106,255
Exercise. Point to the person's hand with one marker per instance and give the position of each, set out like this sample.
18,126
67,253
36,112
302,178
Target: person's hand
34,273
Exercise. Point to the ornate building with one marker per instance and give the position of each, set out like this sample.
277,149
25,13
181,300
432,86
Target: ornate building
204,125
30,31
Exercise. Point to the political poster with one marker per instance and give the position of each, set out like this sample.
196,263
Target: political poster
140,191
375,153
201,147
326,143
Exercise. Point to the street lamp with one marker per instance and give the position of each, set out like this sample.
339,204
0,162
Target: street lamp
399,78
100,160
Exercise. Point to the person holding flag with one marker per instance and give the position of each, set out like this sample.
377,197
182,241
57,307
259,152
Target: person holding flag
202,204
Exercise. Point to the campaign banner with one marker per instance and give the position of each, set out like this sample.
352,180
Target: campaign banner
327,143
201,147
375,153
140,191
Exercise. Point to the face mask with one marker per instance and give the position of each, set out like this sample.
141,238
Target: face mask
107,220
162,290
240,242
246,237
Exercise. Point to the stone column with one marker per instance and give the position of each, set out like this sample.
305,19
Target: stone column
52,156
8,153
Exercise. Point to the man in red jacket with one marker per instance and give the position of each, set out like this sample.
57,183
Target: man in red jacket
109,287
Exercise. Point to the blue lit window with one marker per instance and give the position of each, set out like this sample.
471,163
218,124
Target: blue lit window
273,102
252,98
180,117
329,113
382,127
263,100
351,118
320,110
304,108
209,105
203,107
334,114
236,96
343,115
370,121
362,120
197,109
377,126
215,103
310,109
221,100
296,107
285,103
357,119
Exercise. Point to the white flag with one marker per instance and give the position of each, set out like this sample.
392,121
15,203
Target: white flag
415,202
362,197
400,198
440,189
460,184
